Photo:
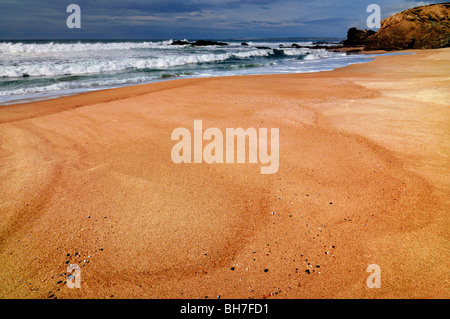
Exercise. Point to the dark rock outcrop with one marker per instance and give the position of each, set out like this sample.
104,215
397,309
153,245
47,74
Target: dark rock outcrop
198,43
426,27
180,42
356,37
206,42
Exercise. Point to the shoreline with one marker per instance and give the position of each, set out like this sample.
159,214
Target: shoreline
56,94
363,180
67,97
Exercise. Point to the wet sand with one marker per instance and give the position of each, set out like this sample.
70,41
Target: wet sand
363,179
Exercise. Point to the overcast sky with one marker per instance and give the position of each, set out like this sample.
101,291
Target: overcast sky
191,19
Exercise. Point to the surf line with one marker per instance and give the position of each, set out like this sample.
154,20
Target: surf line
213,152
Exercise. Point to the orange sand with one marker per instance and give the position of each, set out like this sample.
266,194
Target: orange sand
363,179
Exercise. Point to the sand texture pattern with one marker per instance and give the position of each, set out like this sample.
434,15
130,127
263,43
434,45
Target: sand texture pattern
363,179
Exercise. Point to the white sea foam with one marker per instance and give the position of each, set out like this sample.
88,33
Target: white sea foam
34,70
277,44
9,47
48,68
63,86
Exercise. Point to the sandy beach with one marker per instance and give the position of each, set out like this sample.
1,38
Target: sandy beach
363,179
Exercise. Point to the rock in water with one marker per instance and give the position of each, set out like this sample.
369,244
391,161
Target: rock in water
426,27
198,43
180,42
356,37
208,42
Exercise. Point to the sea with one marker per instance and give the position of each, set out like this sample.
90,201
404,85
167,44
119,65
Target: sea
37,70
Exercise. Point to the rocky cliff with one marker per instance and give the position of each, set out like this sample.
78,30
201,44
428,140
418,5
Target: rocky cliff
426,27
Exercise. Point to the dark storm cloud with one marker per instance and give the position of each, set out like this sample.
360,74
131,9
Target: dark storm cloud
162,19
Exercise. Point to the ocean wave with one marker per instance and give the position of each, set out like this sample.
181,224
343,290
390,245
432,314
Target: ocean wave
54,47
313,54
44,69
67,86
276,44
98,65
102,66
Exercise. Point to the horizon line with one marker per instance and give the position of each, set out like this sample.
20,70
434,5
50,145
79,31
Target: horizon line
166,39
